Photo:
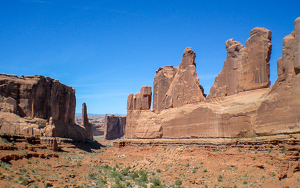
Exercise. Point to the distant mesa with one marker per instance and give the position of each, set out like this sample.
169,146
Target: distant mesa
240,103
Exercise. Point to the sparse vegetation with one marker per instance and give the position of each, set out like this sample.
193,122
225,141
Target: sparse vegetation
178,182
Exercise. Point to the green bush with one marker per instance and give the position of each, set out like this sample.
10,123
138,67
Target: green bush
178,182
155,181
134,175
92,176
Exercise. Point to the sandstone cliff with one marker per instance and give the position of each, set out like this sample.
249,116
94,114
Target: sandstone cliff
174,87
114,127
229,112
246,68
38,105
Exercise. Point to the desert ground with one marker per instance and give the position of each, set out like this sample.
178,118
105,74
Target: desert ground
102,164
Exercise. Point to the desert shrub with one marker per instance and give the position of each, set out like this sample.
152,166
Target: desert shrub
178,182
220,179
205,170
158,170
240,150
102,181
125,171
155,181
107,167
92,176
245,182
143,176
134,175
282,149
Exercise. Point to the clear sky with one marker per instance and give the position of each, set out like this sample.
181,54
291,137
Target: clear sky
107,49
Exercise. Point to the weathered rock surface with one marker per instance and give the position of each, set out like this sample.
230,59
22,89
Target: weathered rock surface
141,100
162,81
50,143
246,68
229,112
85,122
114,127
185,87
38,96
38,105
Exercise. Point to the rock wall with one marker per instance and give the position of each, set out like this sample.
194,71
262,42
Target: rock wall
229,112
38,105
185,87
114,127
246,68
141,100
162,81
37,97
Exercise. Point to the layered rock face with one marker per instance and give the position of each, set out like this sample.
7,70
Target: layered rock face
279,113
258,110
140,101
85,122
38,105
185,87
37,97
246,68
114,127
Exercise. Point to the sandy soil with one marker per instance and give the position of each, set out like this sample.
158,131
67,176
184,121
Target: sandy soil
142,166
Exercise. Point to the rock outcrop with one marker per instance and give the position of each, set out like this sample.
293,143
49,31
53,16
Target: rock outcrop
37,97
241,103
50,143
85,122
162,81
141,100
246,68
38,105
185,87
114,127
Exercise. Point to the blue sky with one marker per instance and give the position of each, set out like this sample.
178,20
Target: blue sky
107,49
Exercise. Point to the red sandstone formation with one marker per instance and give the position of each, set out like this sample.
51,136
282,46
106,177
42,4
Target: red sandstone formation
140,101
85,122
38,105
37,97
162,81
184,87
50,143
114,127
258,110
246,68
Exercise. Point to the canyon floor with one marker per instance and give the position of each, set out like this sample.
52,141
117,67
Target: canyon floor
140,164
